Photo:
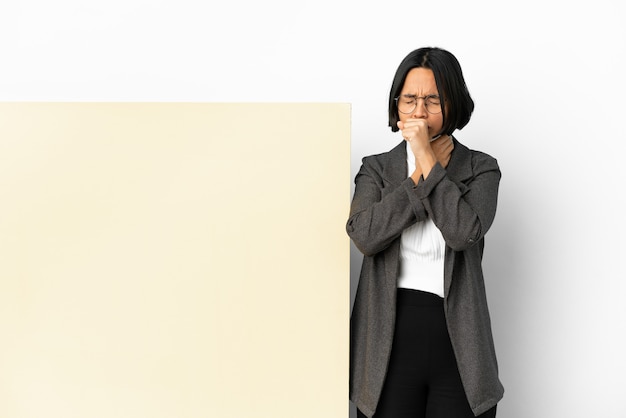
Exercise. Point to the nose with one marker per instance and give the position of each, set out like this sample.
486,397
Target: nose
420,109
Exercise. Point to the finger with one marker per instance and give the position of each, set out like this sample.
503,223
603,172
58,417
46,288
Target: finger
416,121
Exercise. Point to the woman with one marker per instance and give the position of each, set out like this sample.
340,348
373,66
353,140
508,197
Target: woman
421,343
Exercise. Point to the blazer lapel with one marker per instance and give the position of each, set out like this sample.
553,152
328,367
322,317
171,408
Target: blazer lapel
393,174
459,171
395,168
460,166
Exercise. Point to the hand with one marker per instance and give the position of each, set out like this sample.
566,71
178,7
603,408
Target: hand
427,153
416,132
443,147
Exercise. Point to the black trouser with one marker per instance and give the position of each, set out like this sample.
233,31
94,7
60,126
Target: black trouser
423,379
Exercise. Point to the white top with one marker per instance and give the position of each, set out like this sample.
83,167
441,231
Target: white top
422,251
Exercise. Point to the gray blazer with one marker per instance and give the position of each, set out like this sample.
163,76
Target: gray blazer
461,200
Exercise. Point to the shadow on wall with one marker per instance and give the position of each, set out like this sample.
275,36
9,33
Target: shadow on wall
506,287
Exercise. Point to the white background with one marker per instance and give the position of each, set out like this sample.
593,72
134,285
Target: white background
548,82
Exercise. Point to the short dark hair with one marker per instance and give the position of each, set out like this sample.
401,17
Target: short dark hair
450,86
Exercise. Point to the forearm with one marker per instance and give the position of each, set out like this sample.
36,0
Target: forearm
424,163
374,224
462,212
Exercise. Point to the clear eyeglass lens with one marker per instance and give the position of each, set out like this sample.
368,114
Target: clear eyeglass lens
408,104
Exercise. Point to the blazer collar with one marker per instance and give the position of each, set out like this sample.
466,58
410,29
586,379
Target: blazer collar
459,168
395,168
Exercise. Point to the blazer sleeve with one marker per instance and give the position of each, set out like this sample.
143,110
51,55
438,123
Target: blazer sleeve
380,210
462,211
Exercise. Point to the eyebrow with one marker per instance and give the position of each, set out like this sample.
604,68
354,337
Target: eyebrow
415,96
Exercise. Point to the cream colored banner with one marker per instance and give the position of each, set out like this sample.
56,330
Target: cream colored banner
174,260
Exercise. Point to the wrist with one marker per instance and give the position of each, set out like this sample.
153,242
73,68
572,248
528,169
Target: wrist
426,162
417,174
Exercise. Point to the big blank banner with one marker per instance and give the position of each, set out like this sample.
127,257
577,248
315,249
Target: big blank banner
174,260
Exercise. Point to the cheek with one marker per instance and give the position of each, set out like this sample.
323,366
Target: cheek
439,121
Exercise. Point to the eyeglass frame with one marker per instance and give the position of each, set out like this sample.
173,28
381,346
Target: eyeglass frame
416,98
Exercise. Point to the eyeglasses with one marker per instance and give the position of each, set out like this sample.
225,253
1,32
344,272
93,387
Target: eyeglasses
407,104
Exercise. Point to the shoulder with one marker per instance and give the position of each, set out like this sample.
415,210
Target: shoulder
479,160
380,160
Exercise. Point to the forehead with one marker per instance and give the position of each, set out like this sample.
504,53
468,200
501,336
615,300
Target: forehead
420,81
